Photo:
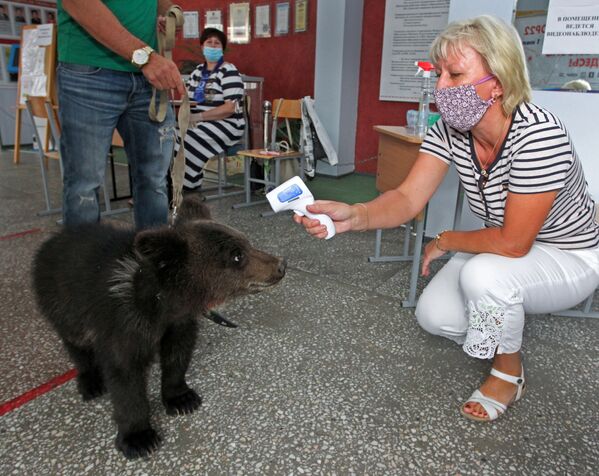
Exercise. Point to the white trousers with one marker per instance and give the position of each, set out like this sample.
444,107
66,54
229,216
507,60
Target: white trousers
480,301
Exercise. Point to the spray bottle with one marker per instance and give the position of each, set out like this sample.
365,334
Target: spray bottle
425,97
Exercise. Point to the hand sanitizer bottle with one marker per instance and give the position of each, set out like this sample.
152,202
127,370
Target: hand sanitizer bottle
425,97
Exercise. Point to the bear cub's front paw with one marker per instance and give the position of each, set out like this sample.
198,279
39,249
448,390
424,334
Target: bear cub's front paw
90,385
138,443
187,402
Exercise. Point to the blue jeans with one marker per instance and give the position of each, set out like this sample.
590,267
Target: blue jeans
93,102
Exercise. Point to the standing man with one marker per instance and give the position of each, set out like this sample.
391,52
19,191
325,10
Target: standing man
107,67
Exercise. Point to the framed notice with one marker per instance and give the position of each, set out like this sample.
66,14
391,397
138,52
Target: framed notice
214,19
301,16
191,26
282,19
572,27
410,28
262,21
553,72
239,22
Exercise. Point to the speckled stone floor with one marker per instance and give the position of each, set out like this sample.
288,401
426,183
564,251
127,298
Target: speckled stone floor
326,374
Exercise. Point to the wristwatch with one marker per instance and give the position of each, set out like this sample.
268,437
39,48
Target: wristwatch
141,56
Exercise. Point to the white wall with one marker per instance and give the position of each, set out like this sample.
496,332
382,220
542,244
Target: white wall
336,78
578,111
462,9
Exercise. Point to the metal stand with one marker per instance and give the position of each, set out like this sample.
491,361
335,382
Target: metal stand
267,182
585,312
221,181
415,257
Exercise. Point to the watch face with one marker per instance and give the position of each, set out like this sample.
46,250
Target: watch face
140,57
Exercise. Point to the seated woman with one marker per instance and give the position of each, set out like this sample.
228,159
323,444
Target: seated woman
538,252
217,120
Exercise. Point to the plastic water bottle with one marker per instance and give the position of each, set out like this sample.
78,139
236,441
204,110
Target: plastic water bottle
425,97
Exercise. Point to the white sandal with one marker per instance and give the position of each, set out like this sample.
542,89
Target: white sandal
494,408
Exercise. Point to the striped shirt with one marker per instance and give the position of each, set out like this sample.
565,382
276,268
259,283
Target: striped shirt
210,138
536,156
223,84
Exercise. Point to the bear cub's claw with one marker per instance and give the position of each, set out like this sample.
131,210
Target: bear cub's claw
183,404
138,444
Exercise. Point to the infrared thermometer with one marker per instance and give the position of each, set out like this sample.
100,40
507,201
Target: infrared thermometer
294,195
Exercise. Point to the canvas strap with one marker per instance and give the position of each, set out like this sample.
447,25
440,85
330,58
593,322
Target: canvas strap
166,42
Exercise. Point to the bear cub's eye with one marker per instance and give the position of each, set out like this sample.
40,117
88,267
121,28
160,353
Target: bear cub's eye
238,257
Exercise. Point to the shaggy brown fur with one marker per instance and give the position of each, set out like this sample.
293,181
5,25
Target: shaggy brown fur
117,298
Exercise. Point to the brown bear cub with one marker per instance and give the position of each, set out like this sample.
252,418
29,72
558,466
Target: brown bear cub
117,298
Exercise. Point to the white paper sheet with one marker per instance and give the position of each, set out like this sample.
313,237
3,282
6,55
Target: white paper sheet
214,19
572,27
410,28
44,34
262,21
191,27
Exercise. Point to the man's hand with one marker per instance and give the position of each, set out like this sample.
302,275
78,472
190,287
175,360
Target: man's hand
163,74
162,25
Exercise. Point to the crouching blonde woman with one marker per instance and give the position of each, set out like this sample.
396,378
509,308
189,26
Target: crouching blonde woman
538,251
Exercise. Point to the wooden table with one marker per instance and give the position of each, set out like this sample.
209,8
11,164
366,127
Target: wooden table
398,150
397,153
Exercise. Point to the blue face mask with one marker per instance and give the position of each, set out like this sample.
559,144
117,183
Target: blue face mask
212,54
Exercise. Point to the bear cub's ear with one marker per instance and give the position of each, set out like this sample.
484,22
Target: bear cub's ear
192,208
164,248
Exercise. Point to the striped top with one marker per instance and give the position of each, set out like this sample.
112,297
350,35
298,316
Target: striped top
536,156
224,84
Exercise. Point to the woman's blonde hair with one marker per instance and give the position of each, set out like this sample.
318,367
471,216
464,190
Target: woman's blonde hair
501,50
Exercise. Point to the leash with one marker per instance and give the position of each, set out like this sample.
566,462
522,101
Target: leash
219,319
166,42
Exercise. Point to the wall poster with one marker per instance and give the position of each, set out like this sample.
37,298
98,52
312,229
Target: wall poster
282,19
239,22
552,71
214,19
301,16
262,21
410,28
191,26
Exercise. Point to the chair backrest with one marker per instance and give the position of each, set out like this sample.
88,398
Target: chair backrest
38,106
287,108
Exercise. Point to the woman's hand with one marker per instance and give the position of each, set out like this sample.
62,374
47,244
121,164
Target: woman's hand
431,252
342,214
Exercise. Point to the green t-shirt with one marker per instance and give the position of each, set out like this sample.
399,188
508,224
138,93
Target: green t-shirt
77,46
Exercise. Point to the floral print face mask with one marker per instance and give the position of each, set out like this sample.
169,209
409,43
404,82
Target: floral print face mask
460,106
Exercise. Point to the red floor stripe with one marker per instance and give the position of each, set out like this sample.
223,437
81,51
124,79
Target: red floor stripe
36,392
20,234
